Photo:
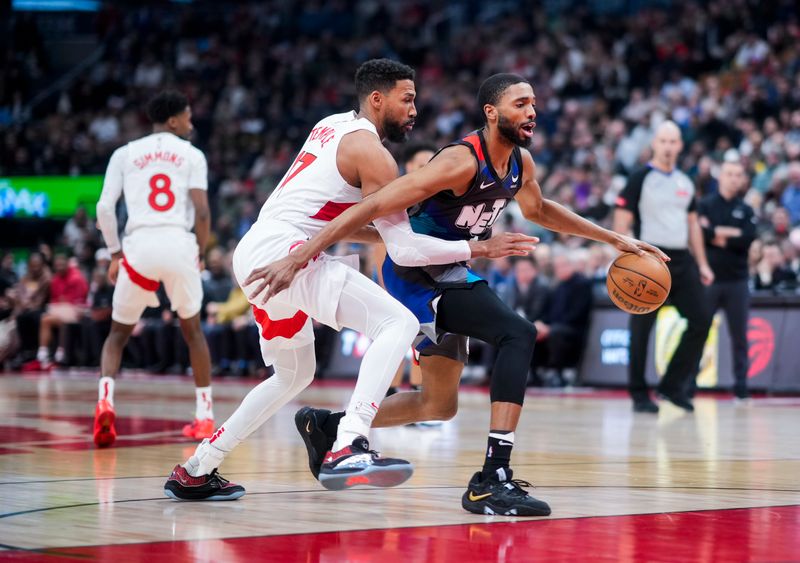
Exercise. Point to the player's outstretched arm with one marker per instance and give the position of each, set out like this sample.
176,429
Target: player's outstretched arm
556,217
452,167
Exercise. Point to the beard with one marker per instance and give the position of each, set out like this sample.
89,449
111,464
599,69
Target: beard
396,132
511,133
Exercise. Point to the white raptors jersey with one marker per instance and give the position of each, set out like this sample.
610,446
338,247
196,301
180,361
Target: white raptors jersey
156,173
313,192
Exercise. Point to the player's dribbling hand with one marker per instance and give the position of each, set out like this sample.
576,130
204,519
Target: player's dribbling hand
504,244
629,244
273,277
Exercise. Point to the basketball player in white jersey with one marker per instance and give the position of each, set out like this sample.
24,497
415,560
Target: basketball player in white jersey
164,181
342,161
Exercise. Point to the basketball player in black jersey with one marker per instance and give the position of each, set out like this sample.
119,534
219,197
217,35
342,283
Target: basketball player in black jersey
459,194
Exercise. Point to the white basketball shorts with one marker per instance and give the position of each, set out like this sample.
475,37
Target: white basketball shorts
285,320
154,255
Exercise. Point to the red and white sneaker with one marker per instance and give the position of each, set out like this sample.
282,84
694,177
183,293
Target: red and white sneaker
104,431
358,465
182,486
199,429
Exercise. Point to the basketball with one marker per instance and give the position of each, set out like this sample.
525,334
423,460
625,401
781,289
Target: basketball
638,284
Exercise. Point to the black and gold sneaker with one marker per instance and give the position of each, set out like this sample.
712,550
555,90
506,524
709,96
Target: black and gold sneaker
502,495
308,422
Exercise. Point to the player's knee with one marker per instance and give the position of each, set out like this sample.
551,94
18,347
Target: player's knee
404,325
519,332
306,374
442,411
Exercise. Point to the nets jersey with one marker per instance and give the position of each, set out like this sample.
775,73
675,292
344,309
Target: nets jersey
313,192
155,174
471,215
451,217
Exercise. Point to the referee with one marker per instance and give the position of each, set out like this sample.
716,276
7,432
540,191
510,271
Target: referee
659,204
729,227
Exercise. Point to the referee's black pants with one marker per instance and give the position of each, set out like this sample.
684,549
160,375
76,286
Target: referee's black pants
734,298
689,298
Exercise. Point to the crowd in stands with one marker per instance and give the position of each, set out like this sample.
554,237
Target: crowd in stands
259,76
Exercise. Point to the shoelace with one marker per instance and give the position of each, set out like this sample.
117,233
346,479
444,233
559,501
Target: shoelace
215,475
370,451
517,485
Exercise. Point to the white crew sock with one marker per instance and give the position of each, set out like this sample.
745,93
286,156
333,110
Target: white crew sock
204,407
105,389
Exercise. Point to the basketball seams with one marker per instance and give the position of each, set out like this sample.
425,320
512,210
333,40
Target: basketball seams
621,259
629,296
642,275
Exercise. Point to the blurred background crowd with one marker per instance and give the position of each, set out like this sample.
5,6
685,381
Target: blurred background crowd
260,75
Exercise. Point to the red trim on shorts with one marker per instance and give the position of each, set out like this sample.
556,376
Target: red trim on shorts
137,278
332,210
272,328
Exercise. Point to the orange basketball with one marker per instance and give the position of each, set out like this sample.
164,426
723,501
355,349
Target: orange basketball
638,284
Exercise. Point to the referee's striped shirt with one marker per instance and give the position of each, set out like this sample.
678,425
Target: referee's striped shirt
660,203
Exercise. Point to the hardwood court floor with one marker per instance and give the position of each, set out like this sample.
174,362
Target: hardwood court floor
722,484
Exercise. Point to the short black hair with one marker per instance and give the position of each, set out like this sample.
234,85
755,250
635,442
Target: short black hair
380,75
493,87
412,150
166,104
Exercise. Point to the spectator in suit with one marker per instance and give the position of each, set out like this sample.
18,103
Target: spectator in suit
564,322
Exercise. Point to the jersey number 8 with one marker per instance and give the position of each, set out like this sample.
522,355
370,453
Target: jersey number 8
160,185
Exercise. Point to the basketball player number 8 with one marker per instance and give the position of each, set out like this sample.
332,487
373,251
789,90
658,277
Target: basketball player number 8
160,184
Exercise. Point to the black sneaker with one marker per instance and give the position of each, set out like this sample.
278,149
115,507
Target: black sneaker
358,465
309,423
681,401
502,495
182,486
741,393
645,405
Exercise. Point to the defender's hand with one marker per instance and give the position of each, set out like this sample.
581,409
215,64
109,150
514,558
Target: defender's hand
273,277
504,244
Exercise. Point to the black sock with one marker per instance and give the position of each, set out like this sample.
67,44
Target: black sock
331,424
498,452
